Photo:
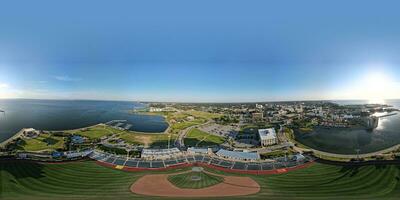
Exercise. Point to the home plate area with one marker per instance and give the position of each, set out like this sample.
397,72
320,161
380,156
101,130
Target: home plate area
194,183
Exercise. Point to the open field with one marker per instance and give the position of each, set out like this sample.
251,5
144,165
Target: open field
201,114
87,180
131,137
182,125
44,142
148,140
198,138
185,180
95,132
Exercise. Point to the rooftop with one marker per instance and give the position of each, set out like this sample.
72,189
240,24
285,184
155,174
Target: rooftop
198,150
266,134
160,151
238,155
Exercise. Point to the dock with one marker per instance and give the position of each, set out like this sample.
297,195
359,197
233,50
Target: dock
119,124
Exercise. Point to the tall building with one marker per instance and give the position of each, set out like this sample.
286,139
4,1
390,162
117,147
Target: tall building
267,136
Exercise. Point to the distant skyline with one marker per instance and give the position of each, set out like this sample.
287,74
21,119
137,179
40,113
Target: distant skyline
208,51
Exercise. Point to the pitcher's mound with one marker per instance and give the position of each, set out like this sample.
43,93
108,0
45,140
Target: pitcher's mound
158,185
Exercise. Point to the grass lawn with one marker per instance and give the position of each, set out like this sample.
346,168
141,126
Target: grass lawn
136,138
202,114
87,180
95,132
185,180
199,138
148,140
44,142
183,125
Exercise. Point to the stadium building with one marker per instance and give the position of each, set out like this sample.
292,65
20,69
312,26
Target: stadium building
238,155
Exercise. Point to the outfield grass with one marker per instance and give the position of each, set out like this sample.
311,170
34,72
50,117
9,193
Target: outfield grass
44,142
185,180
198,138
321,181
87,180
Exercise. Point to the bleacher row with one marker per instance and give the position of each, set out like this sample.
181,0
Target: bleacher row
279,163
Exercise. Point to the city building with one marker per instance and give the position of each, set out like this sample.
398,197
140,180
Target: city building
76,139
257,116
267,136
154,109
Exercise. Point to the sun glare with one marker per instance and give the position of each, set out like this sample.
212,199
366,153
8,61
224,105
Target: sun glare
376,86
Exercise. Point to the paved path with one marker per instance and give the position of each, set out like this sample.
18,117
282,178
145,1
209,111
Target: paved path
354,156
17,135
180,141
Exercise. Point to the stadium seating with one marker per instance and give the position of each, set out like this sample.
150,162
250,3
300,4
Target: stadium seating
278,163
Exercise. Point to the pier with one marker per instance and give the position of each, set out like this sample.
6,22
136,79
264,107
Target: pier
387,115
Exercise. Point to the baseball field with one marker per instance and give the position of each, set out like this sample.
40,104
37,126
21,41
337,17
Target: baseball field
87,180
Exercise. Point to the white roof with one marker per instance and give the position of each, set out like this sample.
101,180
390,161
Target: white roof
160,151
266,134
238,155
198,150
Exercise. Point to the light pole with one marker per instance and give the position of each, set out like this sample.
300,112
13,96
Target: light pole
358,154
169,138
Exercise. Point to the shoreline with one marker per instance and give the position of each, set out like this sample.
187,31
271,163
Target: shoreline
15,136
342,157
102,123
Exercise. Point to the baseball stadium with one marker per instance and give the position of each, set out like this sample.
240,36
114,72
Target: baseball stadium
101,175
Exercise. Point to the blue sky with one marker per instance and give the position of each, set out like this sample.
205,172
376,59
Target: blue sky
199,50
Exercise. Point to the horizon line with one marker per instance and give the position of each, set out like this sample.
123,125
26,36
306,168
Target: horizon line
199,102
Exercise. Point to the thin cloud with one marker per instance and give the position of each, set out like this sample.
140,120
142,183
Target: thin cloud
4,85
67,78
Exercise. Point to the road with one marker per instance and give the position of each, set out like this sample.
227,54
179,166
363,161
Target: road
179,142
354,156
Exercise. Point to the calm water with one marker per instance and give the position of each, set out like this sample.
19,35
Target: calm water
62,115
346,141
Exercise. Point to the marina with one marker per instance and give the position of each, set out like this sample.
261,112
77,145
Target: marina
119,124
56,115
